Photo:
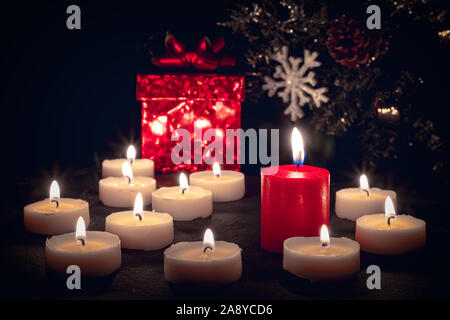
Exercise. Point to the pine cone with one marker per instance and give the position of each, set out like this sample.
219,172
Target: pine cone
351,44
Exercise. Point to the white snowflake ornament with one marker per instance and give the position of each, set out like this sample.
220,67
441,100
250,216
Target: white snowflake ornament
296,83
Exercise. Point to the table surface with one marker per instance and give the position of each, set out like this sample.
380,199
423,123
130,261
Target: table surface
417,276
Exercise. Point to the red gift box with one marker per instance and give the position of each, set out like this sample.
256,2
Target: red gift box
187,101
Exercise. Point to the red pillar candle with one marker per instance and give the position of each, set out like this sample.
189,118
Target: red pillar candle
295,201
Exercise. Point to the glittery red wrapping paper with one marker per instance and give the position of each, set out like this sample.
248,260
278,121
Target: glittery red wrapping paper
187,101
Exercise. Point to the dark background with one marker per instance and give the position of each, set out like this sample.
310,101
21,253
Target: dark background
68,101
68,97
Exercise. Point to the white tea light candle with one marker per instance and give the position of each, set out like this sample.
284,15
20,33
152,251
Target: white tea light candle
139,229
183,203
225,185
321,259
390,234
206,263
55,215
352,203
141,167
96,253
121,192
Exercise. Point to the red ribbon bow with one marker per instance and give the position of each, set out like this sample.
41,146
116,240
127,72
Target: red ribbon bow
205,57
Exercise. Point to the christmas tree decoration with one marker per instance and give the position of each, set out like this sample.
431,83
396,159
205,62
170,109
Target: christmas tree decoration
371,89
351,44
297,82
386,108
187,101
444,35
418,10
425,133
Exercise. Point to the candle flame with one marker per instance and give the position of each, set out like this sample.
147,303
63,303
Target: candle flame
208,240
80,232
183,182
138,205
298,151
324,236
364,184
127,171
216,169
389,211
131,153
54,191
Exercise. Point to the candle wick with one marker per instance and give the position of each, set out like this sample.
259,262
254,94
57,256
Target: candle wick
139,216
204,250
389,220
129,179
183,190
83,243
366,191
55,201
324,245
131,160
